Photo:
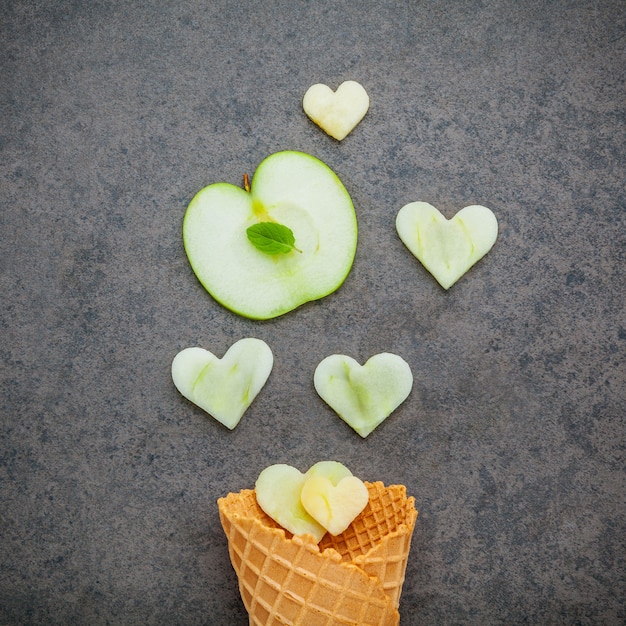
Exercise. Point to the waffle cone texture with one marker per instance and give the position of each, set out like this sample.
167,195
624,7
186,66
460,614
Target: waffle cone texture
354,578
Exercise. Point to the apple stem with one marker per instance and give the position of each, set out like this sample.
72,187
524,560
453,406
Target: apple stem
246,183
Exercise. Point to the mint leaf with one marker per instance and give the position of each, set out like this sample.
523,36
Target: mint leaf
271,238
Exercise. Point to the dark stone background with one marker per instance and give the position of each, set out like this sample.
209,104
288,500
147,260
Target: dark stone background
114,114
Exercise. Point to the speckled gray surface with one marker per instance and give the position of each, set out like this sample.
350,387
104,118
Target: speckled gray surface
114,114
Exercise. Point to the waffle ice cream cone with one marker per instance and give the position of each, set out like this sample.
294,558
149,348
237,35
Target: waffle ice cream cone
354,578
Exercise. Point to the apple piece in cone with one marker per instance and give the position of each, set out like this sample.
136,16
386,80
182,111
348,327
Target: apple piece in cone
332,496
278,490
334,505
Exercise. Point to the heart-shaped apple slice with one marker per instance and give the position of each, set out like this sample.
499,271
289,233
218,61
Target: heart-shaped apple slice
447,248
224,387
363,395
333,501
278,490
336,112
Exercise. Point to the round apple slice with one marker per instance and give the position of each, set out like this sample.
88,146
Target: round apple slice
289,188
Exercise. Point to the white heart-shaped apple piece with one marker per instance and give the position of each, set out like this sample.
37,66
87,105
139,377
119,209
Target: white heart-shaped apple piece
278,489
447,248
336,112
224,387
363,395
334,505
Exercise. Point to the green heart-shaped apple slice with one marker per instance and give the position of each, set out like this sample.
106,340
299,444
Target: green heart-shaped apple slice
447,248
363,395
291,189
277,491
224,387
